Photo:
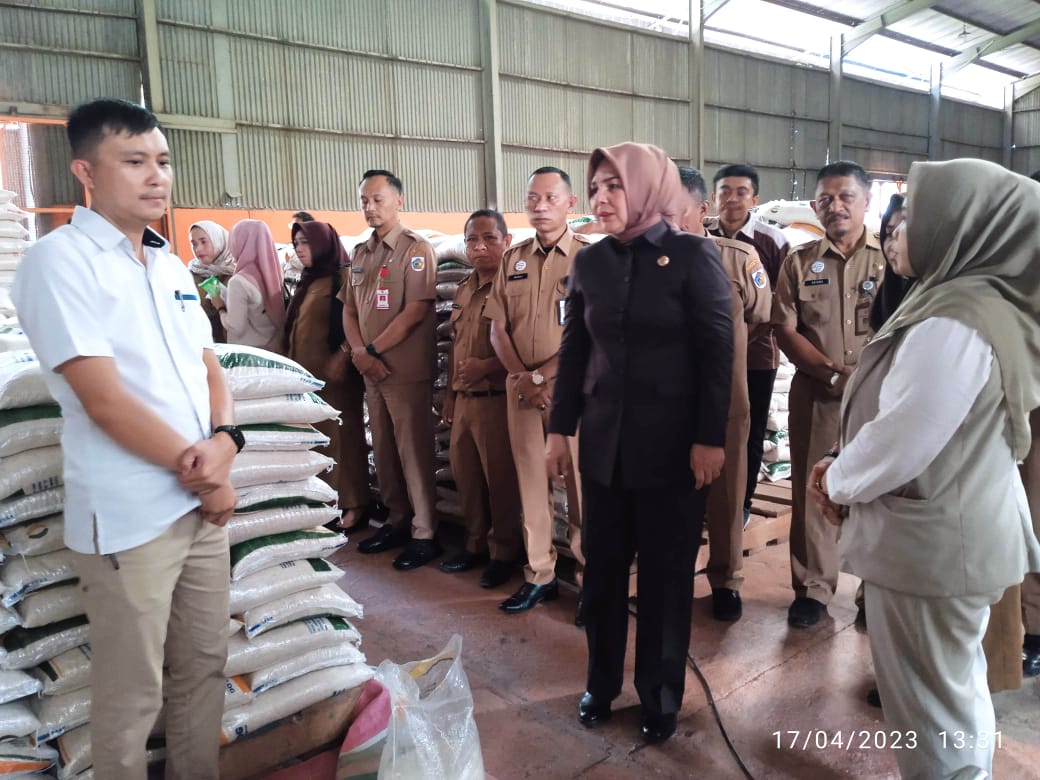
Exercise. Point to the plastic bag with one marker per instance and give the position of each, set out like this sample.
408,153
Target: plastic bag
432,732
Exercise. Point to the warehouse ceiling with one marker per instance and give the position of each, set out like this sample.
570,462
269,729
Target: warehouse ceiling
981,45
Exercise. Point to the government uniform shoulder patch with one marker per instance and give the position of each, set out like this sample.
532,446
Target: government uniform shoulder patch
759,278
418,263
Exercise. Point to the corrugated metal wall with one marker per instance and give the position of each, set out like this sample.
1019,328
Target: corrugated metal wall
1026,133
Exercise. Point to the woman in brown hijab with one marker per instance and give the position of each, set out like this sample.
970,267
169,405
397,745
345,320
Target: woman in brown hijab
314,339
645,368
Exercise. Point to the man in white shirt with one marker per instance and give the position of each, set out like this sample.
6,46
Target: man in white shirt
127,352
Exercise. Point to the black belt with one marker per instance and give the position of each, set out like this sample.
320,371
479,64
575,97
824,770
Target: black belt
482,393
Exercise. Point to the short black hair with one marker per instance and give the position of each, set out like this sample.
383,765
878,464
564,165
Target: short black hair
89,123
844,168
737,172
1035,176
552,169
500,221
391,179
303,216
693,181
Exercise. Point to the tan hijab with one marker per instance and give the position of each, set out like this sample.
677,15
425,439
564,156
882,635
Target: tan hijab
973,244
651,183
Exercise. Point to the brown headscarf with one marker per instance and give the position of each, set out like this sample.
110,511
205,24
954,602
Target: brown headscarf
327,257
651,183
253,248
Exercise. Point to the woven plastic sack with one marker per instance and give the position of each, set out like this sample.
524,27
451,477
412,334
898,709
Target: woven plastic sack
250,525
322,658
17,685
237,693
249,557
32,471
21,508
327,600
29,428
50,605
256,373
432,732
286,409
61,713
262,468
75,761
313,490
280,644
21,380
12,339
22,759
22,576
16,720
27,647
37,537
8,619
282,438
66,672
280,580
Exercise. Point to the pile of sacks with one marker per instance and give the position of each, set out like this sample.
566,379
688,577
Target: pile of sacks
14,238
776,452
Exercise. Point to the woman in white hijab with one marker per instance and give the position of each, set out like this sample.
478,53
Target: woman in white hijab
209,243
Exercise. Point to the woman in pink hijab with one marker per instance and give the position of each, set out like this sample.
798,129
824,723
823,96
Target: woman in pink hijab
644,371
254,311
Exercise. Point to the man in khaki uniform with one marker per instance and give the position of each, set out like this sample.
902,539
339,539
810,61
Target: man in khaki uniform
526,313
751,303
390,324
475,407
821,314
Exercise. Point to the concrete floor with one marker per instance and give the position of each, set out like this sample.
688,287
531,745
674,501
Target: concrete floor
527,673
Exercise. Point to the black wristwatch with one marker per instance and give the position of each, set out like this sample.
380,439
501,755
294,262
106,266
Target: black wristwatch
370,348
236,435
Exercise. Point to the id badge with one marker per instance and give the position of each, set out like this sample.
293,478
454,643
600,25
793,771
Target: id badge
561,310
382,299
863,307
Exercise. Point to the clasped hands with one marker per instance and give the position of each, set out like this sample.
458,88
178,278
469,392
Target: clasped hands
530,395
204,468
834,513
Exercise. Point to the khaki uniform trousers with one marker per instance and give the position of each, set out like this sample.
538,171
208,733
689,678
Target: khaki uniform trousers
814,421
401,417
349,477
1031,480
527,432
171,591
1002,642
725,510
482,462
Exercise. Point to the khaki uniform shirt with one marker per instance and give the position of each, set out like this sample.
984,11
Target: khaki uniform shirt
384,276
752,300
528,296
472,333
827,297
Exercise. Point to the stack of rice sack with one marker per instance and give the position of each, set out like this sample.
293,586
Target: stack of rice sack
291,642
776,453
13,239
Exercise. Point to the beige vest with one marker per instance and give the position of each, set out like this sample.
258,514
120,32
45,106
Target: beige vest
961,527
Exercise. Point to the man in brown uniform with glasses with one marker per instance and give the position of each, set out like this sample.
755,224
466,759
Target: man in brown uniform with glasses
526,313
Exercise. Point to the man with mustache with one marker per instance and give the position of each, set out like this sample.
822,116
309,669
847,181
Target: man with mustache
821,316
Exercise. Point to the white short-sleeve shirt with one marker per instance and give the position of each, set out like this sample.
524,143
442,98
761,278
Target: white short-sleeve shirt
81,292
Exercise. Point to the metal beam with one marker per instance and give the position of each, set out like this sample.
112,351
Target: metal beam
894,13
709,7
1024,86
992,46
696,63
1009,126
935,113
492,104
148,47
834,131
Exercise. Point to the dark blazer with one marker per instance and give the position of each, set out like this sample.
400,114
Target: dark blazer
646,357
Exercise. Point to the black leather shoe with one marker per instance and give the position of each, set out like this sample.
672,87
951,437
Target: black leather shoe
497,573
805,612
593,711
579,613
386,538
726,604
419,552
464,561
1031,656
529,596
657,728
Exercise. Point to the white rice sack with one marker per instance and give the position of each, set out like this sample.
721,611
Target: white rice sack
11,229
51,605
8,619
291,641
17,685
238,693
29,428
256,373
16,720
263,468
37,537
282,437
234,626
777,421
12,338
27,647
22,576
22,759
256,554
31,471
13,246
779,402
280,580
312,490
782,384
76,761
299,409
61,713
774,472
21,508
322,658
21,380
250,525
326,600
293,696
66,672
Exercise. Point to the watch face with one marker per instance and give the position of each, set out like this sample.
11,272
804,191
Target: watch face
537,378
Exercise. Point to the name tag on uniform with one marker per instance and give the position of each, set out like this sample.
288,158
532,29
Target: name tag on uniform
516,277
382,299
561,310
357,269
814,282
456,306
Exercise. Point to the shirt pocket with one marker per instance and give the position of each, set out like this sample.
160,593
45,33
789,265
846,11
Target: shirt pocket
814,305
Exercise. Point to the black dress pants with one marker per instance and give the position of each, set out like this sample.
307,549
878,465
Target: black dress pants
662,525
760,395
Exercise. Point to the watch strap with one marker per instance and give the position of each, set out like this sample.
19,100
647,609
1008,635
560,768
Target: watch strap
233,431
